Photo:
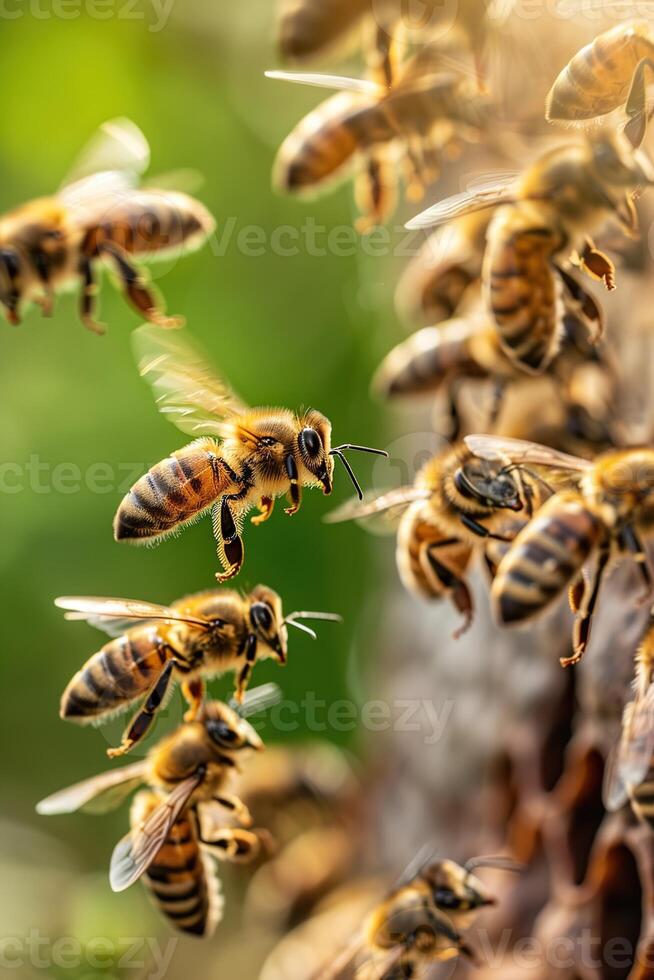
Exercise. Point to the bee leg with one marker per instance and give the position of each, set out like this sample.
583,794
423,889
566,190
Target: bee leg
480,530
583,622
226,532
636,105
141,296
87,299
142,720
245,672
295,492
194,691
46,302
597,265
446,579
265,510
234,845
236,807
630,540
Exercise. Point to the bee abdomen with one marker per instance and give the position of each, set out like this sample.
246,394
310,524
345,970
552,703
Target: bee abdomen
544,558
425,360
172,492
306,28
181,883
433,579
156,222
642,799
524,294
122,671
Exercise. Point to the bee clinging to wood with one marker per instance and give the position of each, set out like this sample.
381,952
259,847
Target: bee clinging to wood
450,511
187,774
603,511
154,646
421,921
543,222
99,215
612,72
244,457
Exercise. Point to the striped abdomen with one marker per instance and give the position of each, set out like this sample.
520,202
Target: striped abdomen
642,798
174,491
122,671
523,290
306,27
152,223
181,881
424,361
598,78
423,567
545,557
327,139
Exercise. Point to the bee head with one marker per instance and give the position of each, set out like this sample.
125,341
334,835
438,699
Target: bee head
618,164
454,889
9,270
227,729
267,621
489,483
313,449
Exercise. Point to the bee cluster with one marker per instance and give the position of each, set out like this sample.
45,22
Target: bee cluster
544,485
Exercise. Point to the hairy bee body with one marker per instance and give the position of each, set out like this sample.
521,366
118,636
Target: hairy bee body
598,78
426,565
306,28
182,883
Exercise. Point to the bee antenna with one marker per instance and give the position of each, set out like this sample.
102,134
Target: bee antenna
300,626
292,620
349,471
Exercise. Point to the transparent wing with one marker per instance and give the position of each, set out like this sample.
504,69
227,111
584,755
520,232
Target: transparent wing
185,179
114,616
481,193
257,699
135,852
391,505
186,389
523,451
632,757
117,147
320,80
99,794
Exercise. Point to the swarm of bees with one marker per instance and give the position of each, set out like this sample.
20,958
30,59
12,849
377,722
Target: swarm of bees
547,492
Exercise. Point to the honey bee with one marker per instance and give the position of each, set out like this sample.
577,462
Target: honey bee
630,771
414,120
100,214
154,647
436,282
307,28
604,511
420,922
450,511
608,74
263,453
167,845
543,221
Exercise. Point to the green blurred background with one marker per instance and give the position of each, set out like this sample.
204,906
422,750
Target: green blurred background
292,330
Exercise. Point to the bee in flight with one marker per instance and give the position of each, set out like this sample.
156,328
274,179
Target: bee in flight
99,215
609,73
412,120
629,773
169,844
603,509
246,457
542,222
455,506
421,920
154,646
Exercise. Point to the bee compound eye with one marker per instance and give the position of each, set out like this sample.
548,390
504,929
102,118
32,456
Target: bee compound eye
310,443
261,616
221,733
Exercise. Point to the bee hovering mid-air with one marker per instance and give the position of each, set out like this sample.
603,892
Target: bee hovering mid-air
603,510
168,845
542,223
452,509
612,72
245,457
197,637
421,921
99,215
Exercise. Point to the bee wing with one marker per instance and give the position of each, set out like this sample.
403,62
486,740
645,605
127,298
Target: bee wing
391,505
186,389
320,80
257,699
629,762
135,852
481,193
117,147
114,616
188,180
523,451
99,794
